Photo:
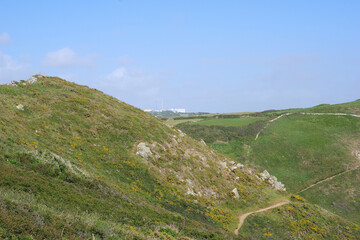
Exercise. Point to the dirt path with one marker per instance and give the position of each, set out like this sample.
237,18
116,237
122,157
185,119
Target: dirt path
329,178
242,217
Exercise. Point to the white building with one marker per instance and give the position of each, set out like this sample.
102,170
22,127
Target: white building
178,110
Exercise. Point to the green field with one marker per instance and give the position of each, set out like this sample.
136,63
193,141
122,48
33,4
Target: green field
340,195
300,150
229,121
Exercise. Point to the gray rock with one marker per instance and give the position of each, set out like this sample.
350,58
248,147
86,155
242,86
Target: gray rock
13,83
143,150
31,80
265,176
236,193
239,165
20,107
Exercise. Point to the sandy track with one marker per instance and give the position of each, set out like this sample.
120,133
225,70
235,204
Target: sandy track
242,217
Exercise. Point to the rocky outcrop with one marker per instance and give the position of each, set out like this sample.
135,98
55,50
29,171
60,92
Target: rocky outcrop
265,176
31,80
143,151
236,166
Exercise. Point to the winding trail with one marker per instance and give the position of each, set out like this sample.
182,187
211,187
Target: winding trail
329,178
314,114
242,217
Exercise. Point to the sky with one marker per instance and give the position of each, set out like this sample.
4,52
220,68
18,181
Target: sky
201,55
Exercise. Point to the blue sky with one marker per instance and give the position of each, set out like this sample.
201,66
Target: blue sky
215,56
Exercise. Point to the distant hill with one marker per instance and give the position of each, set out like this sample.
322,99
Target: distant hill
314,151
78,164
171,114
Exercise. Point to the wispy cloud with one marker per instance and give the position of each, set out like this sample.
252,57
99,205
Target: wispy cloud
4,38
11,69
66,57
132,82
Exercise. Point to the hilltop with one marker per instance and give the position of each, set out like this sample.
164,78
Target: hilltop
78,164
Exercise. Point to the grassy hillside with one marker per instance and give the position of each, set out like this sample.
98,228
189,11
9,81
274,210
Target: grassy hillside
301,150
69,169
230,121
78,164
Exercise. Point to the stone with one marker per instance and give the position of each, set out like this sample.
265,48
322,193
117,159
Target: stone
143,151
203,142
239,165
236,193
20,107
31,80
265,176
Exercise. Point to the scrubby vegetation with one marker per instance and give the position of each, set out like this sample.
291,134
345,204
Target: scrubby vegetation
70,169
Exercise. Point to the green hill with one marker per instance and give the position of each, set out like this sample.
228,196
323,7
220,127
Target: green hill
319,145
78,164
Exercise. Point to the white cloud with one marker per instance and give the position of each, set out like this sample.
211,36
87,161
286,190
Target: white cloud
66,57
10,69
131,85
4,38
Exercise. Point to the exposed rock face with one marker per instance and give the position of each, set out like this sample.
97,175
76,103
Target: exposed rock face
265,176
239,165
203,142
143,150
31,80
20,107
13,83
236,193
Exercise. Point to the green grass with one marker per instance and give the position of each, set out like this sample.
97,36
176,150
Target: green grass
69,169
69,160
300,150
298,221
341,195
350,107
229,121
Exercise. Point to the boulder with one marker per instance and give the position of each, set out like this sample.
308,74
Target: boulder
236,193
20,107
143,151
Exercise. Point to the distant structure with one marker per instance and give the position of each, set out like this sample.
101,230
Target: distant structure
178,110
174,110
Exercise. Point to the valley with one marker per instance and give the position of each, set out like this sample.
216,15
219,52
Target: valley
79,164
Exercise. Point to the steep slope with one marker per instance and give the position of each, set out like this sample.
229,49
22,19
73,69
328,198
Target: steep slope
76,163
